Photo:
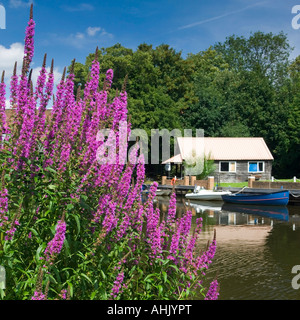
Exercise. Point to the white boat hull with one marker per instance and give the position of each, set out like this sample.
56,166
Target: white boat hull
206,195
161,192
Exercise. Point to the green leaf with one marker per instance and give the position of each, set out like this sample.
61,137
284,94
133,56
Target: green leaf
70,285
34,231
70,206
103,274
160,289
93,295
165,276
67,248
39,250
86,277
50,170
77,223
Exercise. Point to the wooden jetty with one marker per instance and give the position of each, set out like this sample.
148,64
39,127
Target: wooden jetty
179,189
182,190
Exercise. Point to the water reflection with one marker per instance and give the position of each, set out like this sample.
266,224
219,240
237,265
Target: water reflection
256,247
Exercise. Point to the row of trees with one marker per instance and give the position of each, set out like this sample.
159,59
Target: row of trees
241,87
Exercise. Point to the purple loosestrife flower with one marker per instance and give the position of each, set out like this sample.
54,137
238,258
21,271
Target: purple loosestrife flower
14,88
185,225
191,245
63,294
67,131
203,261
124,183
123,225
174,244
213,291
180,235
10,233
44,98
3,125
55,245
110,220
172,209
3,205
154,233
24,141
38,296
149,203
135,194
117,285
29,42
41,80
166,233
52,131
102,204
109,78
92,84
21,101
24,85
138,216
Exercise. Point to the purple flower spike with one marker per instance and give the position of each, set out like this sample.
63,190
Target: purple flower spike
55,245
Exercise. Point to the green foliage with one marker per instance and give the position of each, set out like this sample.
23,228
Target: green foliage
205,165
243,87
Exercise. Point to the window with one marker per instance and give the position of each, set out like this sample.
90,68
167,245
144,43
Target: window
227,166
256,166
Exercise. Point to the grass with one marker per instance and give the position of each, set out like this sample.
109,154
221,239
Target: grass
232,184
281,180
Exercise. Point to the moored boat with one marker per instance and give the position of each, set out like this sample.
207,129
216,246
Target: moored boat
277,198
203,194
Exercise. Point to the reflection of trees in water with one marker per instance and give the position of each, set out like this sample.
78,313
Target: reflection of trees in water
284,244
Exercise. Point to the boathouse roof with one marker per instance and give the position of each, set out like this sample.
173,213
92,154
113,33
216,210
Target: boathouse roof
222,148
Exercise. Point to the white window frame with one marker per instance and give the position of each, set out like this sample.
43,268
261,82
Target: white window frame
257,162
229,162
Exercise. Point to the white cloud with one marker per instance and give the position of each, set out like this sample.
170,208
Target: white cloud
8,57
79,35
90,36
91,31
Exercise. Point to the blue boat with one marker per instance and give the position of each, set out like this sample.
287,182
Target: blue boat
277,198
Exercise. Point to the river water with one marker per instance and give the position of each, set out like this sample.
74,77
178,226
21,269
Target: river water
257,247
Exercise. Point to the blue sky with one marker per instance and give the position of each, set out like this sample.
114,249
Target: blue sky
69,29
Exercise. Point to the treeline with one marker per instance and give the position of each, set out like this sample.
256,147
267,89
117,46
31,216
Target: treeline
241,87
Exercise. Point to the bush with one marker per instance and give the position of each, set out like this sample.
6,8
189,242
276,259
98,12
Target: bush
71,227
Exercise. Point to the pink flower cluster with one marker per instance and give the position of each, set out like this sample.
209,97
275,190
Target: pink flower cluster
213,291
116,289
55,245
